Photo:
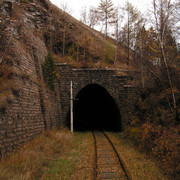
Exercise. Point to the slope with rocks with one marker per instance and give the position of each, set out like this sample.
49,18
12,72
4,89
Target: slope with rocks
28,30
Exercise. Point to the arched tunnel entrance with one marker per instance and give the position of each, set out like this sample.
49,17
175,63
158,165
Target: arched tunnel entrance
95,109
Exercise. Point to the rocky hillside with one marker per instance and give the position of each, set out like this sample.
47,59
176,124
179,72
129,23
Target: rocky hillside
28,30
80,43
37,22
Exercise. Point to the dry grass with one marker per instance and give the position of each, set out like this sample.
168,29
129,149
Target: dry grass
27,163
64,156
52,155
139,166
85,157
76,164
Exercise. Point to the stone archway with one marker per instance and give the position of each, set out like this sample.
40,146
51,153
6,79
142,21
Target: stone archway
95,109
121,93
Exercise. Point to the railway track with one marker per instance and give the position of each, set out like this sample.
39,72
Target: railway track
108,164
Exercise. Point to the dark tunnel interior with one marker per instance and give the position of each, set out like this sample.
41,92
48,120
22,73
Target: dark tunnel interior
95,109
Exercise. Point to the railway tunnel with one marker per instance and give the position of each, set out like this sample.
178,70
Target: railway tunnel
95,109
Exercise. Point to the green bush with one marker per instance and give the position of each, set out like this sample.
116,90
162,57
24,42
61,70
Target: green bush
49,71
25,1
109,53
72,52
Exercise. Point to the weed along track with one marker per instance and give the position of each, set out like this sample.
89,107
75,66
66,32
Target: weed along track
108,164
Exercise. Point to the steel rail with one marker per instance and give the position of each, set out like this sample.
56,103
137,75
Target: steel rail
95,162
119,159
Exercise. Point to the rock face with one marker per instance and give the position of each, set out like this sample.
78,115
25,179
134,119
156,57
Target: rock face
28,30
27,107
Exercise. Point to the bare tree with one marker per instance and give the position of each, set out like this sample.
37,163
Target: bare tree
93,17
89,17
116,33
65,12
84,15
175,20
162,13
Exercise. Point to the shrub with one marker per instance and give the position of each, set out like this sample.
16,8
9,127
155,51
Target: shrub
109,53
166,149
135,135
25,1
72,52
159,141
154,129
49,71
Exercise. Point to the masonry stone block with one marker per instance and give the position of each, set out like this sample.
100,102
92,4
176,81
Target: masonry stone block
117,86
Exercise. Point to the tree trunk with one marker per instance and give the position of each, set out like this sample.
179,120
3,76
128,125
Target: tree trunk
169,77
159,80
128,42
142,68
64,39
106,27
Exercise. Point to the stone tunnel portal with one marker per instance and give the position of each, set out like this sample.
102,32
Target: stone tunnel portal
95,109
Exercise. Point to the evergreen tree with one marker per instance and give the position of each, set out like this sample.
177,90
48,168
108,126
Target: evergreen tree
106,11
131,27
49,71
